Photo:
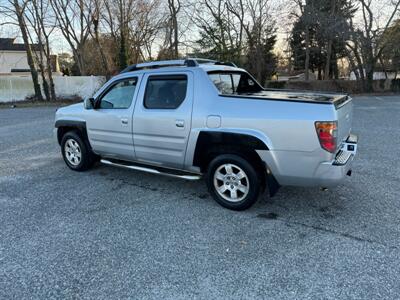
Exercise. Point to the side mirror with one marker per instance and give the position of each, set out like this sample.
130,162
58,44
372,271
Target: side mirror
89,103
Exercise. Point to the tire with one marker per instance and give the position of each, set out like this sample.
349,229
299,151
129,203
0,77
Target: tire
233,182
79,157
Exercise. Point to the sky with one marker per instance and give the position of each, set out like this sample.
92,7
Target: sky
281,10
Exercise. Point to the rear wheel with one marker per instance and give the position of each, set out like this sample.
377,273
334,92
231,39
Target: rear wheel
76,152
233,182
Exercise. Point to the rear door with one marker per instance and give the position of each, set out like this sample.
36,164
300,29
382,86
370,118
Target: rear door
110,126
162,118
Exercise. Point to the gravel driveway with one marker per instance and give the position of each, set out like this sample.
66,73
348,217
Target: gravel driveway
114,233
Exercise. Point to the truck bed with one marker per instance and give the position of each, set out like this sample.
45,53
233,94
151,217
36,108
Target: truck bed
298,96
342,104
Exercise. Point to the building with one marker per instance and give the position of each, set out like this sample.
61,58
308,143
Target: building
379,74
13,57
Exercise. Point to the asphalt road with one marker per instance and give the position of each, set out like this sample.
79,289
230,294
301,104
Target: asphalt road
114,233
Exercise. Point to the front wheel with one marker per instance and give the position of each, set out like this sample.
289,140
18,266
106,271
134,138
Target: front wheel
76,153
233,182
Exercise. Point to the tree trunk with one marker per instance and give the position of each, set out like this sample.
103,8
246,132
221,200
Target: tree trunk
102,55
175,24
52,87
51,81
307,62
330,42
383,67
95,21
49,70
361,71
79,59
328,60
31,63
45,85
319,73
334,67
173,34
369,87
122,52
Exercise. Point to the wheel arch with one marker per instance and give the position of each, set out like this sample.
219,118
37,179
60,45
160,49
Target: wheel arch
209,142
243,143
64,126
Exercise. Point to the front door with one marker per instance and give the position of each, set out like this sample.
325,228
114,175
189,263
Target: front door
109,126
162,118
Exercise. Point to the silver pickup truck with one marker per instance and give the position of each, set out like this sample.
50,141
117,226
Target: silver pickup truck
193,117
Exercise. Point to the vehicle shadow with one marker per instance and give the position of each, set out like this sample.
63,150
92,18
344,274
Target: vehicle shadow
310,207
289,202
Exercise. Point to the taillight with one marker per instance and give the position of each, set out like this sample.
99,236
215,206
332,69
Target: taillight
327,134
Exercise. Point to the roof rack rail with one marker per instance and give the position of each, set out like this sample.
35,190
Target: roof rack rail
189,62
214,62
221,63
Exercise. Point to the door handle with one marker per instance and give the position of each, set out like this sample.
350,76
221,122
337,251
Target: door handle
180,123
124,121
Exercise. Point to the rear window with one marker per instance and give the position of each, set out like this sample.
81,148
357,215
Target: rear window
231,83
165,91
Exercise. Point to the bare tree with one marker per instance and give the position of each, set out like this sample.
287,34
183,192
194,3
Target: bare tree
221,29
261,39
74,20
305,11
99,5
17,8
134,25
145,29
331,25
118,15
174,7
255,34
37,14
367,42
241,31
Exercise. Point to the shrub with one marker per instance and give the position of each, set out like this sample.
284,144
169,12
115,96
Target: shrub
395,85
276,84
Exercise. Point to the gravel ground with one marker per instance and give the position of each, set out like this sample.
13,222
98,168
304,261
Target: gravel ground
115,233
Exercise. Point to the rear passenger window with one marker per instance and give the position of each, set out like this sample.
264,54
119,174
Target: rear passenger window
223,82
165,92
229,83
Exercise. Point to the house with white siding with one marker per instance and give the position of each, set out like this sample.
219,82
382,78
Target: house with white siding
13,57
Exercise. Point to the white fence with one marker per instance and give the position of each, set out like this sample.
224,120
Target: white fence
17,88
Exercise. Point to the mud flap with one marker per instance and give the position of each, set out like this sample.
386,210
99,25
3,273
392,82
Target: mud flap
273,185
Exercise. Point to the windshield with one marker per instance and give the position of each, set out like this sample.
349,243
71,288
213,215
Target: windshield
231,83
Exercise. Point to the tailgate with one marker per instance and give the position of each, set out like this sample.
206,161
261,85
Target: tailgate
344,116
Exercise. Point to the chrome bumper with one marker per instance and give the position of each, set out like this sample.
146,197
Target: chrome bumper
332,173
347,151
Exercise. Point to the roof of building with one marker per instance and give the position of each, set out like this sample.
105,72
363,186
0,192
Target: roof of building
8,44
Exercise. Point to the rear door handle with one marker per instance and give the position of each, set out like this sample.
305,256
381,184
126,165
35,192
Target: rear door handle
180,123
124,121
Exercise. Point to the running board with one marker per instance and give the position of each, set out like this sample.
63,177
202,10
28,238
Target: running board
160,171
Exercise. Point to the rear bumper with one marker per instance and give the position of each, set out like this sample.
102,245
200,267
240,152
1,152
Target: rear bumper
317,168
332,173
